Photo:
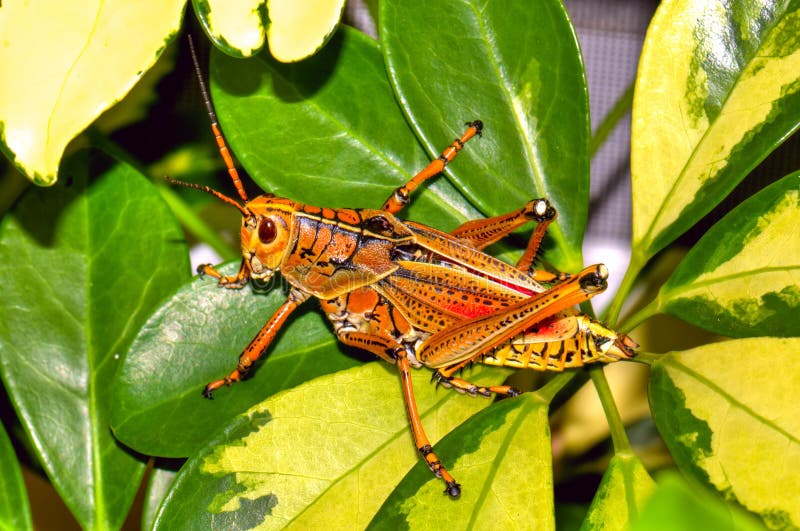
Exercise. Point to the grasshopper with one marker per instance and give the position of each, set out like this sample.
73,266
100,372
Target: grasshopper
415,296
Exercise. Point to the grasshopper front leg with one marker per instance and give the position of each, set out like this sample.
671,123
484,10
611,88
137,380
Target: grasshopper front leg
237,281
259,344
400,196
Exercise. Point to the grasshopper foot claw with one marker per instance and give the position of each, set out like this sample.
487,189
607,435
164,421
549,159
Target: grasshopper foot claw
453,489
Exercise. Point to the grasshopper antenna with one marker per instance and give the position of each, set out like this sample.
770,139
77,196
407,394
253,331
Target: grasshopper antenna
223,146
207,189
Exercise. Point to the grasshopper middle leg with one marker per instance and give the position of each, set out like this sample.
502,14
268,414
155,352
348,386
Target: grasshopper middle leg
390,350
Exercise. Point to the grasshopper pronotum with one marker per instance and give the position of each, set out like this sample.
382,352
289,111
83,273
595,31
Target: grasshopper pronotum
413,295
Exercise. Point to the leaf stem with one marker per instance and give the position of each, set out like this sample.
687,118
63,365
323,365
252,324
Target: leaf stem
618,436
610,120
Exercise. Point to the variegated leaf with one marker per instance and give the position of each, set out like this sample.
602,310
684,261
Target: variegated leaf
324,454
718,89
728,413
236,27
742,278
63,63
300,28
678,505
295,30
625,488
502,457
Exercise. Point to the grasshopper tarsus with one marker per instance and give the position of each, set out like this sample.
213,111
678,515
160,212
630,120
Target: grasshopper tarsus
478,125
453,489
540,210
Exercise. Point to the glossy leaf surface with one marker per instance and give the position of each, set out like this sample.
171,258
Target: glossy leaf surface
742,278
728,413
62,64
624,490
83,265
321,455
718,89
196,337
502,459
15,511
299,134
517,67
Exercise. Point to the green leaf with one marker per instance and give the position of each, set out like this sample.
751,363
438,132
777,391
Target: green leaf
625,488
299,134
675,506
195,337
15,511
718,89
502,459
742,277
63,64
517,67
82,266
324,454
728,413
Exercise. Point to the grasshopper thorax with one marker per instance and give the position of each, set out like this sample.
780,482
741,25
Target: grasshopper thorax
265,234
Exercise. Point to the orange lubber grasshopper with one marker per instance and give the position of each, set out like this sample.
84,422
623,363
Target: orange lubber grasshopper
416,296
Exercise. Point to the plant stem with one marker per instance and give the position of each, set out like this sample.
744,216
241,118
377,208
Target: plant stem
610,120
618,436
628,281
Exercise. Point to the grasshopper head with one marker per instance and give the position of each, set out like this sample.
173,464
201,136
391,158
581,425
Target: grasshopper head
265,234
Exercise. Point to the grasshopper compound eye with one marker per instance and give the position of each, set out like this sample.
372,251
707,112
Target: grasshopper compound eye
267,231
